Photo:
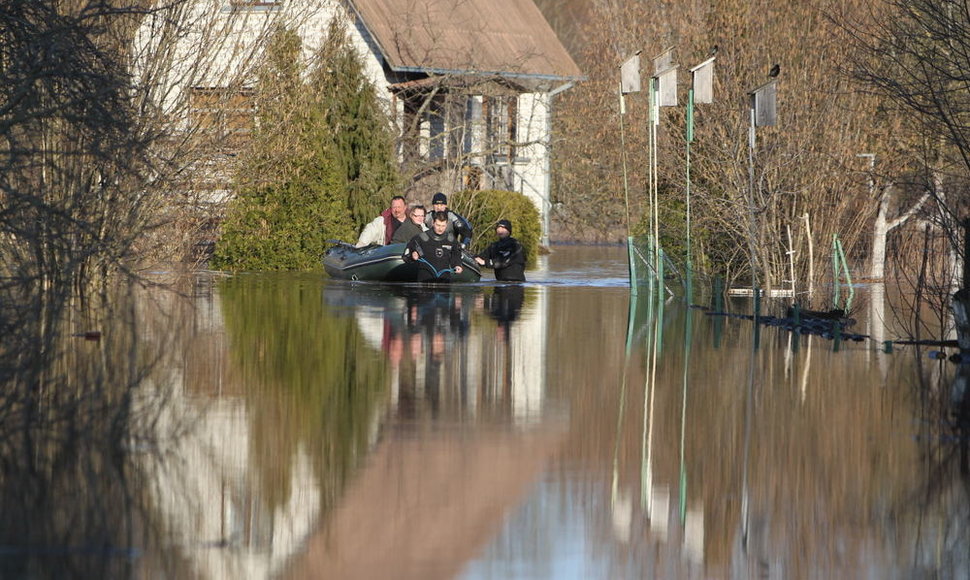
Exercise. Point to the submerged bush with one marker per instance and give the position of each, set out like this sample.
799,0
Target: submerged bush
484,208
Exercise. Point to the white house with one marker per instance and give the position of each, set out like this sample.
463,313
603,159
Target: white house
469,83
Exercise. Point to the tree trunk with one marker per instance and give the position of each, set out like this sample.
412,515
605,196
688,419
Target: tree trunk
880,230
960,303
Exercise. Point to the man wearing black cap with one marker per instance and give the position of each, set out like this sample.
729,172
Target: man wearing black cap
506,256
459,225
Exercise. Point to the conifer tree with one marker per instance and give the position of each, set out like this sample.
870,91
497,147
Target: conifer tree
320,163
362,133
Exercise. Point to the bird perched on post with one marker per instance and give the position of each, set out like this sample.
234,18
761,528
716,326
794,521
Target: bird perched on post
774,70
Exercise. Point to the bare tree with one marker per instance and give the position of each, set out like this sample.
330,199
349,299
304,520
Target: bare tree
915,56
806,165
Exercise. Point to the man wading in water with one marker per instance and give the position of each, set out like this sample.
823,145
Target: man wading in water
437,251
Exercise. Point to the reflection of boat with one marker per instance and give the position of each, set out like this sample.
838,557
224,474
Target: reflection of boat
385,264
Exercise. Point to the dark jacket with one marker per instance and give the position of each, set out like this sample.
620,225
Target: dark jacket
438,255
507,257
458,224
405,232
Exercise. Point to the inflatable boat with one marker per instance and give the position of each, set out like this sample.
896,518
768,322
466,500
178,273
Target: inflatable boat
385,264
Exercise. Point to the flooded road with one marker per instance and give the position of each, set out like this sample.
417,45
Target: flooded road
293,426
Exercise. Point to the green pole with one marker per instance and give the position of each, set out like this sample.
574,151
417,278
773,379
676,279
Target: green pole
848,275
683,416
757,316
632,265
690,139
654,202
651,276
660,304
835,271
687,319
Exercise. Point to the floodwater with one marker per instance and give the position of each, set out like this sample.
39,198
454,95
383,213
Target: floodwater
291,426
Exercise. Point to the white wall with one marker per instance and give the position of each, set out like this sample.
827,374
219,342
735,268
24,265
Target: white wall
532,173
207,43
215,45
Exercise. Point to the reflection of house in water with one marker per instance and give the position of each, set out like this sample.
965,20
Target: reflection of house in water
426,503
211,507
447,471
229,505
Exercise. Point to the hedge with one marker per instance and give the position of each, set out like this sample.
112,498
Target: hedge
483,208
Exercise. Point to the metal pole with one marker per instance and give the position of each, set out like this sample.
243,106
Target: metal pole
631,258
651,152
654,183
752,227
690,138
683,416
848,274
623,159
835,271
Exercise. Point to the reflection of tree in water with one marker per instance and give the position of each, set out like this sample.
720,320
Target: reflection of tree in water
312,383
72,410
943,503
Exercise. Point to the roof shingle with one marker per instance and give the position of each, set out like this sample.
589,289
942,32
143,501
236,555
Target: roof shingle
505,37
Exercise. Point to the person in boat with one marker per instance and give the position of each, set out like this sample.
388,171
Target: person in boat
382,228
460,226
506,255
412,227
437,250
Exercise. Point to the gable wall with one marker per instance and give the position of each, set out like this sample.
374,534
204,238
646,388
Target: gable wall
221,48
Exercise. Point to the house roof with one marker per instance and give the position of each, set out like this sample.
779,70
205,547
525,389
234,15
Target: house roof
492,37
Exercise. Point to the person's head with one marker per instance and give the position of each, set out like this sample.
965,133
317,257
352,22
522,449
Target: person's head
439,202
503,228
440,223
417,214
399,208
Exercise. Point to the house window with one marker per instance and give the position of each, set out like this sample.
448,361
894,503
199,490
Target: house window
500,119
427,130
435,146
458,126
222,114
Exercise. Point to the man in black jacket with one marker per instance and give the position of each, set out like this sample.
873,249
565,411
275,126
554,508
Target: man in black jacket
438,251
506,256
461,227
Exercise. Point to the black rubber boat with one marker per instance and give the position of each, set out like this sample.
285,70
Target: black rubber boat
385,264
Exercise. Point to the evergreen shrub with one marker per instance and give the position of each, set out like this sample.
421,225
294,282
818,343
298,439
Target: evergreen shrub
483,208
321,162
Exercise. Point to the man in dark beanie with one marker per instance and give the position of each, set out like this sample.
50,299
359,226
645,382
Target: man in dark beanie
506,256
459,225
